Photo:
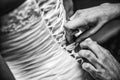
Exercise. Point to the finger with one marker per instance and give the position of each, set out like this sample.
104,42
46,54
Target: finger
89,56
104,60
94,47
89,33
76,14
89,68
76,23
95,73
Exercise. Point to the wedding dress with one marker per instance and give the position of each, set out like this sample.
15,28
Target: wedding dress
32,38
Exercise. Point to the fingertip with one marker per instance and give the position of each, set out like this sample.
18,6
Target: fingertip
67,25
71,24
85,66
75,23
88,67
88,42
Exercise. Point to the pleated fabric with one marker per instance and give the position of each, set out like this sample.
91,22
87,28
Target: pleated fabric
31,38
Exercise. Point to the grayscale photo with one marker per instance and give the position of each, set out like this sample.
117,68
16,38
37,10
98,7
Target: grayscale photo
59,39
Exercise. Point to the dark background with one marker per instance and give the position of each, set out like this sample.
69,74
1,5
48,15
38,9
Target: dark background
82,4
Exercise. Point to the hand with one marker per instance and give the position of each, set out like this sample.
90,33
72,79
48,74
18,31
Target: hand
100,63
92,18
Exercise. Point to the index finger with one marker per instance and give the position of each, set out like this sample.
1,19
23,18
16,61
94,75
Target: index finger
75,23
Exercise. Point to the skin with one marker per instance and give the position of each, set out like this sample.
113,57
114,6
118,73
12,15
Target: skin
103,56
94,18
101,64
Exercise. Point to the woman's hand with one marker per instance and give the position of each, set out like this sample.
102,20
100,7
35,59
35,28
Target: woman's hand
92,19
100,63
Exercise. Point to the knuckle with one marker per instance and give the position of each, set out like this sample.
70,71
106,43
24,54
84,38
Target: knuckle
77,12
87,54
83,44
91,43
107,51
82,52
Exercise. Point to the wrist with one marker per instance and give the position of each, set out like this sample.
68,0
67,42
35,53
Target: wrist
110,10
